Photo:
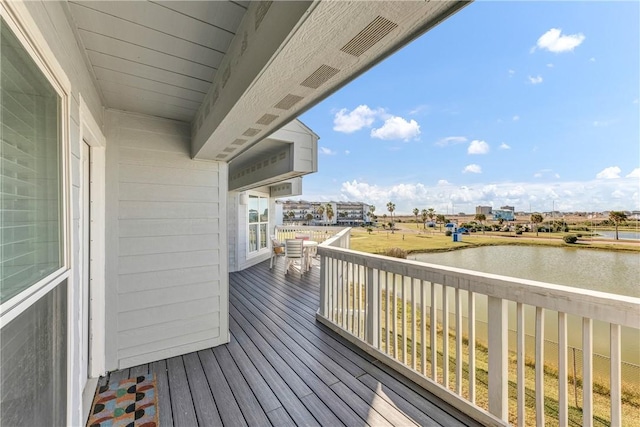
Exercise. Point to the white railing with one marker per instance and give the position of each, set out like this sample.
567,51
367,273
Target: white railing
398,310
319,234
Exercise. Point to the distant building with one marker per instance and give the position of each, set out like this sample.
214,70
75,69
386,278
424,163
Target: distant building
508,208
315,213
485,210
504,214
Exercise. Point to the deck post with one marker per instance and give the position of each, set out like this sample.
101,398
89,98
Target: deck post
323,287
373,310
498,358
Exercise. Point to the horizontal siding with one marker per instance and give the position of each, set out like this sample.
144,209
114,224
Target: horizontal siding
171,277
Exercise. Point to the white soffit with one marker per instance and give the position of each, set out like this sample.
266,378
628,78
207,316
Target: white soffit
156,57
332,43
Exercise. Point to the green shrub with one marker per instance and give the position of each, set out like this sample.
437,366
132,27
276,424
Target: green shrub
448,233
570,238
395,253
519,231
579,235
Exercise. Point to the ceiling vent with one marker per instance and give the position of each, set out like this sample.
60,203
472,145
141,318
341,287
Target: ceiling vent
251,132
372,34
266,119
229,149
239,142
221,156
288,102
319,76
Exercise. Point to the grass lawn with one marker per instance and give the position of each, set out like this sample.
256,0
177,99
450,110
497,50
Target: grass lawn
413,239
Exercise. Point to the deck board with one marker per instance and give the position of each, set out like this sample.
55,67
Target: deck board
283,368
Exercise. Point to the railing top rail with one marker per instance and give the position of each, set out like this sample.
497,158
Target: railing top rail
337,237
618,309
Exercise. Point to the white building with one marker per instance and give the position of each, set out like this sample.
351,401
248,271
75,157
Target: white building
143,145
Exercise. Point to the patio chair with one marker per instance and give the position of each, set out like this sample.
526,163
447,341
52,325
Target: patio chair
293,252
277,250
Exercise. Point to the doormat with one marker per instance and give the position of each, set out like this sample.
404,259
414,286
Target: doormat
130,402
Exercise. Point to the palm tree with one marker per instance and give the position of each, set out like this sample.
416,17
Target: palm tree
372,217
416,211
481,218
291,215
617,217
329,212
391,207
309,218
320,211
424,218
440,219
536,218
431,213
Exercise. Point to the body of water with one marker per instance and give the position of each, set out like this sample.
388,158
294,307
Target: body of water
606,271
622,235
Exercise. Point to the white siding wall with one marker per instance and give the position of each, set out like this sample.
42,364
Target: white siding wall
167,275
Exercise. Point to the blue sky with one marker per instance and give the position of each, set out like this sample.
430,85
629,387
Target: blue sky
531,104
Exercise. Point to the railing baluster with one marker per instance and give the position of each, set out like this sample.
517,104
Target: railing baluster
404,319
379,307
324,289
345,296
587,372
616,379
539,366
434,334
423,328
458,303
445,336
394,297
563,371
414,342
472,347
520,379
336,293
350,294
388,313
358,299
498,357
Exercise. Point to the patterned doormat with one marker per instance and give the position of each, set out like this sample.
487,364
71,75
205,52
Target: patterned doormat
128,403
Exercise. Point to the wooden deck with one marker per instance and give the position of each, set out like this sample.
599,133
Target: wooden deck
283,368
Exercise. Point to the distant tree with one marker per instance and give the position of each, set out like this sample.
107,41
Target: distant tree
425,215
617,217
440,219
320,211
391,207
481,218
372,215
330,213
309,218
431,213
416,211
291,215
536,219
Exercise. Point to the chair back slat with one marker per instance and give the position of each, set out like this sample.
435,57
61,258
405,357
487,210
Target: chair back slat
293,248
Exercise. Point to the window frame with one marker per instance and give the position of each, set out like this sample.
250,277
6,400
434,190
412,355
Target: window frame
15,15
266,249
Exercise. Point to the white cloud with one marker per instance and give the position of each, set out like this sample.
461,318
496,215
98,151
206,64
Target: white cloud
347,152
587,196
617,194
549,65
327,151
537,175
635,101
511,73
515,118
554,41
397,128
634,173
611,172
451,140
351,121
504,146
535,80
592,59
478,147
472,168
419,109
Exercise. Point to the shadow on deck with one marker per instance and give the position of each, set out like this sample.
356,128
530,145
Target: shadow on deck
283,368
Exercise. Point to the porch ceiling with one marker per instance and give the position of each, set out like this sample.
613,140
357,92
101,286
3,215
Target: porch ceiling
238,70
156,58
